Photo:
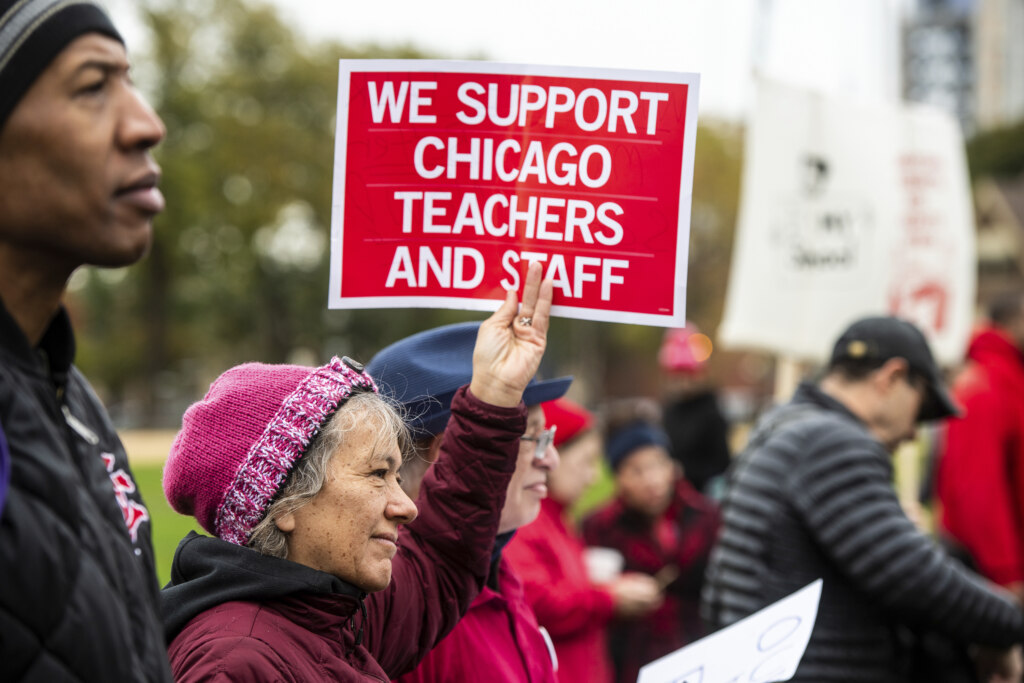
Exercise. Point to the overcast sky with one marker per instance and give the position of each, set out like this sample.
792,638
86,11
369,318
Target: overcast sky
847,46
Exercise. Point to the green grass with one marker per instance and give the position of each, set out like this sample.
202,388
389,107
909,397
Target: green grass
596,495
168,526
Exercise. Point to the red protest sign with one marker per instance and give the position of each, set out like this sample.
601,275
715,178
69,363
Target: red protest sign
450,177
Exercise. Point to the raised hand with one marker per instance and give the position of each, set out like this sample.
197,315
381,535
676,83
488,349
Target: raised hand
511,343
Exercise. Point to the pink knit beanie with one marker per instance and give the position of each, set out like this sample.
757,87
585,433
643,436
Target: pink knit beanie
237,446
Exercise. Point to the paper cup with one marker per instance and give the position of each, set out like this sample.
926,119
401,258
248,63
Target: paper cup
603,564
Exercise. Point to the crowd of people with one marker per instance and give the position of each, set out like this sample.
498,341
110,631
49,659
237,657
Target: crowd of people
417,519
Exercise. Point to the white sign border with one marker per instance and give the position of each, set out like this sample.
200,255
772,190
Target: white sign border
347,67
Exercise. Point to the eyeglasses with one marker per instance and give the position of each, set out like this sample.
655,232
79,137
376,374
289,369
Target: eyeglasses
546,438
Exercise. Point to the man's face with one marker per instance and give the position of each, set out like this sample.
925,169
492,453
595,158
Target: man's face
899,409
77,184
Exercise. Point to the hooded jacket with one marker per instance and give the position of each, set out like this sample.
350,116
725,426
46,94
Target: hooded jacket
78,589
233,614
981,469
250,617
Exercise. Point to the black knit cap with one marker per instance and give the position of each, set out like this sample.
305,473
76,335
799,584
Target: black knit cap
33,33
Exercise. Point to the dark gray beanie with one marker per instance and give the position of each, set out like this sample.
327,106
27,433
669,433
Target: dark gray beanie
32,34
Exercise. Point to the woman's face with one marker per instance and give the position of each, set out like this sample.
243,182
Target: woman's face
577,467
529,484
645,480
350,528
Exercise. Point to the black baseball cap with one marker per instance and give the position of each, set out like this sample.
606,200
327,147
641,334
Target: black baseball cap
884,337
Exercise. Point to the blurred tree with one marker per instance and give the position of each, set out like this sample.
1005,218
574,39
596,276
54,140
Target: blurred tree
997,153
239,266
716,196
239,261
621,360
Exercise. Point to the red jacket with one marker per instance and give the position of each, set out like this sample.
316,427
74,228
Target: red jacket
498,641
548,557
682,537
234,614
981,470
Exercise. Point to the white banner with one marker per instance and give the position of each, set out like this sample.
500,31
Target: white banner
849,210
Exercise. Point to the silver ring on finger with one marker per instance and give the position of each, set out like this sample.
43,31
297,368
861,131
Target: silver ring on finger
526,321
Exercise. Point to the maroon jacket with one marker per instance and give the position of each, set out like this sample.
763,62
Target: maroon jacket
683,537
233,614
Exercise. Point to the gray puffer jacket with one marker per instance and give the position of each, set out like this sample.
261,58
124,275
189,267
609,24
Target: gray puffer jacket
812,497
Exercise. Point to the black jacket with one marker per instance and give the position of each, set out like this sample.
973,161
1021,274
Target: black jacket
699,435
78,592
812,497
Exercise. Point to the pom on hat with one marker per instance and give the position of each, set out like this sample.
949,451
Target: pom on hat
684,350
569,417
237,446
622,442
33,33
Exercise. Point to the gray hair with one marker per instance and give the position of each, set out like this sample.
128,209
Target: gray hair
311,473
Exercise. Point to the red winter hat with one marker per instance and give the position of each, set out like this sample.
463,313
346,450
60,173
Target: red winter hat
570,419
237,446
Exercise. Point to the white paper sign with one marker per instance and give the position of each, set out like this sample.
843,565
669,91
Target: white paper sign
849,210
766,646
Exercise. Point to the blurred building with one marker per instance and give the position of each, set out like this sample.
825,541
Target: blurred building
967,57
938,58
999,63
